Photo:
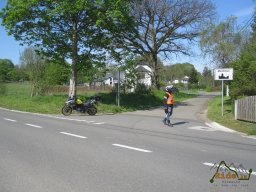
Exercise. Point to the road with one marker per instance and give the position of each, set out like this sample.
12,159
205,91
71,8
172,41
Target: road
128,152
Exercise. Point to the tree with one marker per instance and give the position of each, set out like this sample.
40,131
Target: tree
244,81
56,73
193,76
178,71
162,28
6,68
61,29
207,77
36,69
221,42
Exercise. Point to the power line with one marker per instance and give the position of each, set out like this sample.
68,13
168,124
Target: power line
247,23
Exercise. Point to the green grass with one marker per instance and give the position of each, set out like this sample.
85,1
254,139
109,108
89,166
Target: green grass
17,96
215,114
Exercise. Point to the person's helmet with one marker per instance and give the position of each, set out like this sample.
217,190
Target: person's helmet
168,88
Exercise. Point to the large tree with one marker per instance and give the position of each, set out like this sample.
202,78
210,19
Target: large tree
68,29
244,82
221,42
162,28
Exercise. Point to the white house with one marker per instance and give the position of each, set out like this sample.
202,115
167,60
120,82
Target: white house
145,73
144,77
184,80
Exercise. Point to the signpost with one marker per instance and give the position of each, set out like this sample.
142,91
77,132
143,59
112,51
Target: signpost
223,74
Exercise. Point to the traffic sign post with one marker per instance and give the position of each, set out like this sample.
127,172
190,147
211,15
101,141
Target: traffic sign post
223,74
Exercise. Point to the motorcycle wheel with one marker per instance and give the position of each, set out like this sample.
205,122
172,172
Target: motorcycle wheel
92,110
66,110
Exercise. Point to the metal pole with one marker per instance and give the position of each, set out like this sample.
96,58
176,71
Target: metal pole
222,105
118,91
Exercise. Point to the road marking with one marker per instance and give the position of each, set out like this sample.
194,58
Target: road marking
10,120
218,127
73,135
133,148
31,125
212,164
50,116
70,119
100,123
250,137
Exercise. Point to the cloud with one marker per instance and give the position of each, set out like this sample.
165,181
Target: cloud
245,12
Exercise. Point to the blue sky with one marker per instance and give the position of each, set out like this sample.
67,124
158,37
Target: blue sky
242,9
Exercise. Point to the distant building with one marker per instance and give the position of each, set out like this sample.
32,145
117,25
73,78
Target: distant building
184,80
144,77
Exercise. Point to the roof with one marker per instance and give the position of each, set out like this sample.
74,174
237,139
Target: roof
143,68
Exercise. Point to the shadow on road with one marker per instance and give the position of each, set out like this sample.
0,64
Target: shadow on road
180,123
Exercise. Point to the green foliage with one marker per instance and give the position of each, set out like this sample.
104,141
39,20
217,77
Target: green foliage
221,42
66,29
179,71
2,89
244,82
56,73
193,76
6,70
207,77
142,89
35,65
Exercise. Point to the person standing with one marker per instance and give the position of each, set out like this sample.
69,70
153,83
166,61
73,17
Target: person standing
168,104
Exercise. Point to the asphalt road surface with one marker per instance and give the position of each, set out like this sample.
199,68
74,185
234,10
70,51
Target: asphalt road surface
128,152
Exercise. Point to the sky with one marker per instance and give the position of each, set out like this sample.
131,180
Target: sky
242,9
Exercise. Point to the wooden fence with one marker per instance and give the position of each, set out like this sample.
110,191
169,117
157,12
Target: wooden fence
245,109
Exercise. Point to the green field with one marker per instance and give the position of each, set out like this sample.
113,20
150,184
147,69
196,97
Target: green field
17,96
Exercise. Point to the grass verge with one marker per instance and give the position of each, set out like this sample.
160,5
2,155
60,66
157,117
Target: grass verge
17,96
215,114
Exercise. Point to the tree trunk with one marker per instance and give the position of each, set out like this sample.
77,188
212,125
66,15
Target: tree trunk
73,78
155,78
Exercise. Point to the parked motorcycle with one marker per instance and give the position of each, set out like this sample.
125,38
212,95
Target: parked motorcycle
77,105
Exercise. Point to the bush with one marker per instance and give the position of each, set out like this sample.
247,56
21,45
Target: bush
3,89
209,89
142,88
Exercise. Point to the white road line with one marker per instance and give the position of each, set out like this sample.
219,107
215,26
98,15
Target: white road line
31,125
100,123
133,148
74,135
212,164
10,120
208,164
69,119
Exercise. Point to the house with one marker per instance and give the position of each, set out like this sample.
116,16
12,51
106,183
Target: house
110,79
144,74
184,80
144,77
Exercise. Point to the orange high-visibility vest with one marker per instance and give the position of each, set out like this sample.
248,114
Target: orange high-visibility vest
170,99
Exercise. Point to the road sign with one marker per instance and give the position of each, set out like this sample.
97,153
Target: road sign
223,74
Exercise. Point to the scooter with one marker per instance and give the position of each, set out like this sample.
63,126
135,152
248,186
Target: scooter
77,105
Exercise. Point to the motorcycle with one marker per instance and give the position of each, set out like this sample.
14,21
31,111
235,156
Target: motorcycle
77,105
